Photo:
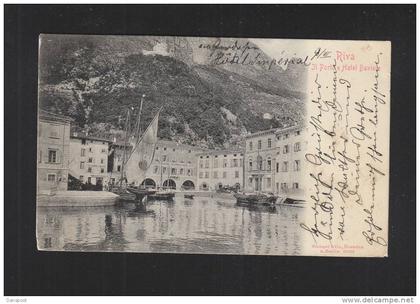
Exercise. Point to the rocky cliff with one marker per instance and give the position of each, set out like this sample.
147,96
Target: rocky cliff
95,79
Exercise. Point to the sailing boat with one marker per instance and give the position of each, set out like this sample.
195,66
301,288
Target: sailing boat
141,159
137,162
142,155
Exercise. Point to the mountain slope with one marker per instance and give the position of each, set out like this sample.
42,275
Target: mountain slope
95,81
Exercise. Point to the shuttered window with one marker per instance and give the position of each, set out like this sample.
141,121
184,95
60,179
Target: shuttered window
52,156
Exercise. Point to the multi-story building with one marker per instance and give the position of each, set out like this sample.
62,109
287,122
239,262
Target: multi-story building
52,152
291,144
173,165
219,168
116,159
89,159
259,159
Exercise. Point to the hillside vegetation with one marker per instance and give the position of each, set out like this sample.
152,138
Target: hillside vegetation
95,81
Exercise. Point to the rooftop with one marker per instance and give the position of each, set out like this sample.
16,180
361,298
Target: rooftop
288,129
274,131
263,132
87,137
220,152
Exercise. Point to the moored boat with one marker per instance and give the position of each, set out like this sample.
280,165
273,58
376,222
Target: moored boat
163,195
136,161
293,202
140,193
123,194
257,199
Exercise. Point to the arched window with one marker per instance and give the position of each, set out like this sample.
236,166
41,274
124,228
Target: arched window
148,183
188,185
169,184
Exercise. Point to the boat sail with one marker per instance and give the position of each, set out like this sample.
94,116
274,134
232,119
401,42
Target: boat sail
141,157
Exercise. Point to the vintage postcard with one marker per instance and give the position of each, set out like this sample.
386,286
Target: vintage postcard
213,145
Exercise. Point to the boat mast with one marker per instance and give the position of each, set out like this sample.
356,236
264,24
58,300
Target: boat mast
132,151
161,173
140,137
127,124
138,124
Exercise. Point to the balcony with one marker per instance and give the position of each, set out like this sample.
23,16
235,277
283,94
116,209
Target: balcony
259,171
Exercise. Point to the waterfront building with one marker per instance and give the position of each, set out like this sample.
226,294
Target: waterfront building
52,152
217,169
291,146
173,165
89,159
259,158
115,160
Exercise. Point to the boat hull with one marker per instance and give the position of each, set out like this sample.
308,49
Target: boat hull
254,199
294,202
162,196
140,194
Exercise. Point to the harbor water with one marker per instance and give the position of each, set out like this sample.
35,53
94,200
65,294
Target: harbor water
198,225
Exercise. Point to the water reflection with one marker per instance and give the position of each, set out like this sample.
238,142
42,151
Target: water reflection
199,225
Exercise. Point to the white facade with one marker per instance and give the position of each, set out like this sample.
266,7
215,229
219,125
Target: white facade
274,160
173,166
216,169
89,159
260,157
52,152
291,146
